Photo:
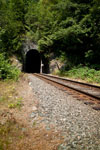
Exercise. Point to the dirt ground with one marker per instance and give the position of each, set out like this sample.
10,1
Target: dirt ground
17,130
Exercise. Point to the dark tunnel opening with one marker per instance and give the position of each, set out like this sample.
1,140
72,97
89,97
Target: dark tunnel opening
32,61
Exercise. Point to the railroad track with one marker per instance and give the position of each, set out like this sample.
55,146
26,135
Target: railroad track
88,93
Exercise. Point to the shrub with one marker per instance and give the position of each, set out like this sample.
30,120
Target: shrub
82,72
7,71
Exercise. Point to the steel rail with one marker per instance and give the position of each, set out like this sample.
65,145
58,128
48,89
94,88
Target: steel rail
49,78
73,81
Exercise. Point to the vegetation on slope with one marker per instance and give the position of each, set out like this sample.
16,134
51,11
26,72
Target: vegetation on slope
81,72
69,27
7,71
18,131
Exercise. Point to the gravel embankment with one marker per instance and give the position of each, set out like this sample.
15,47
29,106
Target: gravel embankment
78,123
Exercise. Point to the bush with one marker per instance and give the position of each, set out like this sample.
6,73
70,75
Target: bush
7,71
84,73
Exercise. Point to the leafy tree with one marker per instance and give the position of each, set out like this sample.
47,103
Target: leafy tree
69,27
12,25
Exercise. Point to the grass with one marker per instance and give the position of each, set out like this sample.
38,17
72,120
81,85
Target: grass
8,100
7,132
84,73
10,130
8,95
2,99
18,104
11,133
15,131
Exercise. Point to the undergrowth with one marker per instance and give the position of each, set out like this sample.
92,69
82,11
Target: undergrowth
7,71
10,130
81,72
17,132
9,96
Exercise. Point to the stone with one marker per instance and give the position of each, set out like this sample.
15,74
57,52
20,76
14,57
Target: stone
34,108
33,115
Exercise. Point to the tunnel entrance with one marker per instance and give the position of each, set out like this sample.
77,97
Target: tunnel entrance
32,62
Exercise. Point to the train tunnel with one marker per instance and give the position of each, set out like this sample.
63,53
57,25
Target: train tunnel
32,61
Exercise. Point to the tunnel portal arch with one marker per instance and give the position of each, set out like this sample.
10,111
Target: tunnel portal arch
32,61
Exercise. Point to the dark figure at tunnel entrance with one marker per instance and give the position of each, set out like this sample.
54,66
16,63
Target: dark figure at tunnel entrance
32,62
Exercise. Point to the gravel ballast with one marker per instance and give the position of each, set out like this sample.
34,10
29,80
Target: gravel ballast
79,123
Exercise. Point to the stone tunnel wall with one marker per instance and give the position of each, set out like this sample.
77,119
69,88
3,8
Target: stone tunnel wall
27,46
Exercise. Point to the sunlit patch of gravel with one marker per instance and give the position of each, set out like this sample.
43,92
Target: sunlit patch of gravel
79,123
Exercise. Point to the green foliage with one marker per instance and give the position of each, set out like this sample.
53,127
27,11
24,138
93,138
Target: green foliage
18,105
6,70
2,99
82,72
69,27
11,26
